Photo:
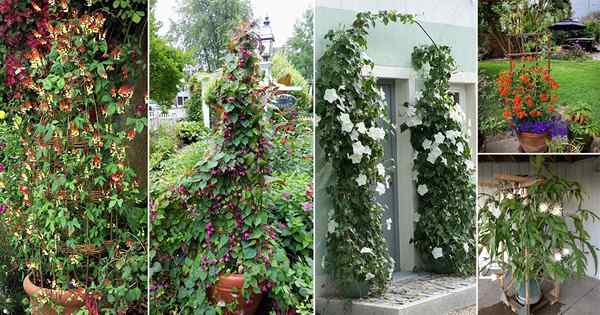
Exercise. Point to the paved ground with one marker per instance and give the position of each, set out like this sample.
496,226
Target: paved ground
471,310
577,297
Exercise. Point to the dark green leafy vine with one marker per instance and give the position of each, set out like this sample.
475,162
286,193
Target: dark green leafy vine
352,114
445,230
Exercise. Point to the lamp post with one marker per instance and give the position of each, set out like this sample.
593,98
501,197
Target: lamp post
266,39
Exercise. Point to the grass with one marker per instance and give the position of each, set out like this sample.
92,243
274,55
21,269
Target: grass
579,80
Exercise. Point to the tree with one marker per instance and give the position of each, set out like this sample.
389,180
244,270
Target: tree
501,19
205,28
166,67
300,45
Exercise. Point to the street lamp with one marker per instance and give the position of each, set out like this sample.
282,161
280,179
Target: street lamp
267,39
266,52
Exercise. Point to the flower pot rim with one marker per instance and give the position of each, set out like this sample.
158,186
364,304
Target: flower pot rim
62,297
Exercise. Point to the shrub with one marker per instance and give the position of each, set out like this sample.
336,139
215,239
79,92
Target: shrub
189,132
489,102
194,104
280,68
163,143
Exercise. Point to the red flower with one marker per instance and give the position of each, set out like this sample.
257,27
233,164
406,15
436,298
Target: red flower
517,101
506,114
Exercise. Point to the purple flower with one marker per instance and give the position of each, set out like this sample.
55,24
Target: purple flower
554,127
2,168
285,195
3,208
308,206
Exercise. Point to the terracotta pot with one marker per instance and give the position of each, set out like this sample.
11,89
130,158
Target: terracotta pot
228,289
43,299
533,142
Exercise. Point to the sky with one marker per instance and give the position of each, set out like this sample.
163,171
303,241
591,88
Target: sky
283,15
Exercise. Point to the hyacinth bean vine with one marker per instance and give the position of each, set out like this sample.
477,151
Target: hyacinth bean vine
72,201
220,222
444,230
352,110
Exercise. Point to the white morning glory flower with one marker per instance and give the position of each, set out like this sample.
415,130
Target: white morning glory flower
387,181
361,180
433,155
361,127
543,207
422,189
439,138
411,110
460,147
415,175
376,133
366,250
380,188
347,124
354,135
566,252
444,161
369,276
427,144
437,253
415,155
356,158
331,95
317,119
466,247
417,217
380,169
414,121
469,165
388,224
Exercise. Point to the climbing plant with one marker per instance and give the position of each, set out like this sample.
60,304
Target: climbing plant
352,116
445,231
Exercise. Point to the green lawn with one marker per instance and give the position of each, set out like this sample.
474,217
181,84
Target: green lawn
579,80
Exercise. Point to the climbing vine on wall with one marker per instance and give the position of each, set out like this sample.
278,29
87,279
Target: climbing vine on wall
352,113
445,230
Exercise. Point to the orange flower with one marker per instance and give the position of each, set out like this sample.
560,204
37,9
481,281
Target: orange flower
506,114
517,100
96,162
524,79
543,97
529,101
550,109
65,106
131,134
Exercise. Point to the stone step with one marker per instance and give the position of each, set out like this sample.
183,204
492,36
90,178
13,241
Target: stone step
422,294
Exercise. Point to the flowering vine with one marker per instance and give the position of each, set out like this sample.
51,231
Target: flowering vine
220,211
444,231
351,109
73,204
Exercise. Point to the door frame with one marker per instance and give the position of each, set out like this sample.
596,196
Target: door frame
395,247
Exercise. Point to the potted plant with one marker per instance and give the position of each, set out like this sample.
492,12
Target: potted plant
529,99
526,230
73,206
228,255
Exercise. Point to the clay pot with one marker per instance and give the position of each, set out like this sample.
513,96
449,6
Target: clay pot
228,289
533,142
43,299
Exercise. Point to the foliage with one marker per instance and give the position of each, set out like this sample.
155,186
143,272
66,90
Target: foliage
528,92
592,26
280,68
575,53
444,231
205,27
490,123
529,226
499,20
219,217
300,46
351,109
166,68
163,143
194,104
577,80
584,126
189,132
292,152
10,277
68,91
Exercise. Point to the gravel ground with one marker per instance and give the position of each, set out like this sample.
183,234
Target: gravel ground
471,310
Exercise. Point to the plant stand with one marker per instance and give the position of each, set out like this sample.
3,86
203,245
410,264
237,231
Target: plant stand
509,296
